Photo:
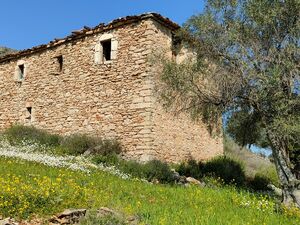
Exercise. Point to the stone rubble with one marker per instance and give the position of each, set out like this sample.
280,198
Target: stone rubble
70,217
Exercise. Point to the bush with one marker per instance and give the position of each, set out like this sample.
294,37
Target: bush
107,148
191,168
109,159
264,177
133,168
156,169
16,134
152,170
271,174
73,144
259,183
77,144
229,170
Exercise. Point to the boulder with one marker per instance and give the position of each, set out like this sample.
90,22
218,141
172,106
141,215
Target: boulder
277,191
69,216
7,221
194,181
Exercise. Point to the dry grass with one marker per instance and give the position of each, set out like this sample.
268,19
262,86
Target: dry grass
254,163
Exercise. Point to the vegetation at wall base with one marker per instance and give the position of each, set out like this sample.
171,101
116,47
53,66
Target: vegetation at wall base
17,134
153,170
74,144
106,152
228,170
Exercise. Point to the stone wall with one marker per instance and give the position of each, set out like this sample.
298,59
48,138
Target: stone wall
113,99
176,136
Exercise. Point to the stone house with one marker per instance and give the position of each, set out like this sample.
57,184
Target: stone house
100,81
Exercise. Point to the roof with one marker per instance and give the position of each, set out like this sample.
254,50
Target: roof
86,31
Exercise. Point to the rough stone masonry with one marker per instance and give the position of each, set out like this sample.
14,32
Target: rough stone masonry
100,81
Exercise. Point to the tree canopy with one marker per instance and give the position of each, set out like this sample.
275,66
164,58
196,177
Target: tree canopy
246,61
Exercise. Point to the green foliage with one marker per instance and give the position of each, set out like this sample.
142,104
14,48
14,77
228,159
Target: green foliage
4,51
152,170
50,190
74,144
156,169
252,161
77,144
245,127
108,159
16,134
259,183
224,168
191,168
246,62
229,170
270,174
263,178
108,147
132,167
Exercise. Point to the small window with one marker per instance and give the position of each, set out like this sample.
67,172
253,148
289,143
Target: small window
60,62
106,47
176,46
28,113
21,71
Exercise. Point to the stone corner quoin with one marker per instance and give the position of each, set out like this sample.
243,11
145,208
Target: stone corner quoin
100,81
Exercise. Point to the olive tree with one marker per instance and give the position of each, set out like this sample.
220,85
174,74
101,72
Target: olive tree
246,61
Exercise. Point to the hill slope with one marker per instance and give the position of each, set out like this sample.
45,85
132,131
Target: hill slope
253,162
4,51
43,190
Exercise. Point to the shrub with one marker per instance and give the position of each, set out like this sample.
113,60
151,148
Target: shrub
259,182
109,159
156,169
77,144
264,177
152,170
271,174
229,170
133,168
191,168
16,134
107,148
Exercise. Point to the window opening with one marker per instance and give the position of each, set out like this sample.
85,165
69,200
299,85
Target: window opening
60,62
21,71
29,113
106,46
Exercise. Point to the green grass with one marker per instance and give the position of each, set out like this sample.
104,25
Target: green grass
37,189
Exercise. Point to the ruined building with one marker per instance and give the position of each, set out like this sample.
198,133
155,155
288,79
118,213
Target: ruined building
100,81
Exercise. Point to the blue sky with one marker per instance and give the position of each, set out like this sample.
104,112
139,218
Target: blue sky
27,23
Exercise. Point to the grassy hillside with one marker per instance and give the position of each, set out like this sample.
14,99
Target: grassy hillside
254,163
29,188
4,51
38,178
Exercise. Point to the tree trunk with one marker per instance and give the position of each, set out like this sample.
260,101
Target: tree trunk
289,183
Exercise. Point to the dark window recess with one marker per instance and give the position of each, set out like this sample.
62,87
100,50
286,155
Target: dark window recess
176,45
60,61
21,71
29,112
106,46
